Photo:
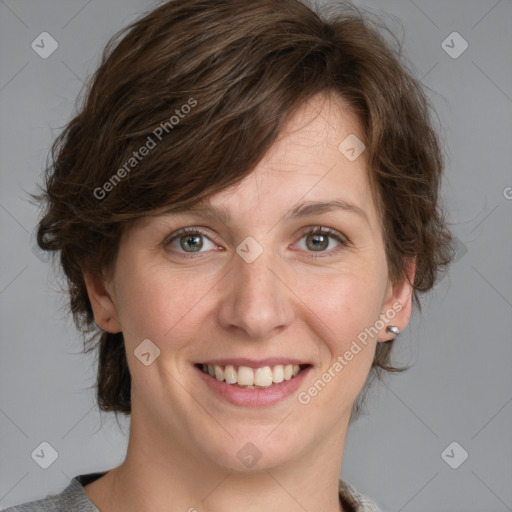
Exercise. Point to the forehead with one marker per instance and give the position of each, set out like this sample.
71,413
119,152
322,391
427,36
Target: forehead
318,156
323,116
307,163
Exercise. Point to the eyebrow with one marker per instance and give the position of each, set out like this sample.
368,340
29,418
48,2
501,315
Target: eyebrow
319,207
308,208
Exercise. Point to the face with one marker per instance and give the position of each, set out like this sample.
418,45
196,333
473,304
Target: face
263,285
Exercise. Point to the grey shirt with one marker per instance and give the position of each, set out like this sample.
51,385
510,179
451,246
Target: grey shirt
74,499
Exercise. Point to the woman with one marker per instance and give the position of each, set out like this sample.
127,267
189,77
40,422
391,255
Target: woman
246,210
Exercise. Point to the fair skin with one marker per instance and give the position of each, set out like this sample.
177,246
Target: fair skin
292,301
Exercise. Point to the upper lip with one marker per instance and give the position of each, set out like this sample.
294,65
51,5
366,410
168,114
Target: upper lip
253,363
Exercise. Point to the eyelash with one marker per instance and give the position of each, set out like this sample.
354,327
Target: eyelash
343,241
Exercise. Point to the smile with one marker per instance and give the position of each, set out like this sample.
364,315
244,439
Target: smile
252,378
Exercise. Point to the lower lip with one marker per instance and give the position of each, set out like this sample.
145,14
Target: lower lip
254,397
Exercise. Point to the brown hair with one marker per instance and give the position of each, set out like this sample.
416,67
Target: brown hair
206,88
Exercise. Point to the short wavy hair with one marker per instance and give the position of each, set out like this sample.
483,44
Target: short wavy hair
206,88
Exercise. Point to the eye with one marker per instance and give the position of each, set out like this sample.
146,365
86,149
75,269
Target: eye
189,241
318,239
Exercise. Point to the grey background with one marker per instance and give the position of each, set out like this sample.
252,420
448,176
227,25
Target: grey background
460,386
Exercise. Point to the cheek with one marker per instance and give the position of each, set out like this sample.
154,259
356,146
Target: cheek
347,301
349,305
346,305
153,301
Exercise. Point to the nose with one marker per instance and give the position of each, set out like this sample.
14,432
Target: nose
256,300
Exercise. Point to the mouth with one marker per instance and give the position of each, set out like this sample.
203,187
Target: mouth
251,377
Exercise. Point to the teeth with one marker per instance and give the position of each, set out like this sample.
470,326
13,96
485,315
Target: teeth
230,374
252,378
245,376
219,372
263,377
278,373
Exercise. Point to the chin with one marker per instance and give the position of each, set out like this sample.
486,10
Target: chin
255,449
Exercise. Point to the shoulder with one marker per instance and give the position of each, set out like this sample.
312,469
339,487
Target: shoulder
71,499
353,501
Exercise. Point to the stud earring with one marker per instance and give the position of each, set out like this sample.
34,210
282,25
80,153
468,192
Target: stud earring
395,330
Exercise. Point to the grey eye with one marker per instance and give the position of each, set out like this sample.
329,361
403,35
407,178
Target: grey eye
193,242
190,242
317,241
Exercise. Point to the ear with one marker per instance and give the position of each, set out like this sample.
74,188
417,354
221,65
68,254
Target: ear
397,307
103,306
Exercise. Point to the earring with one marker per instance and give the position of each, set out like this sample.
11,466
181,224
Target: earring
394,329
